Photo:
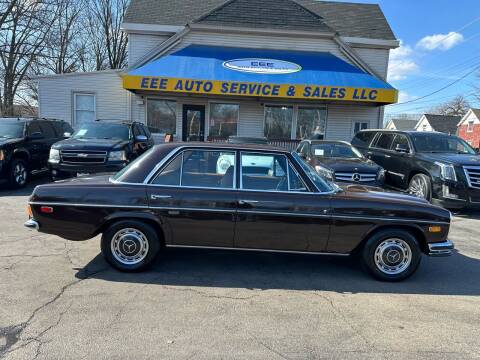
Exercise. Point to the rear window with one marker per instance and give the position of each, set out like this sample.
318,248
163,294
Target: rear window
385,141
363,138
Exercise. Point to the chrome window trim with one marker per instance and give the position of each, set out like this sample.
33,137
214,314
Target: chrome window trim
333,216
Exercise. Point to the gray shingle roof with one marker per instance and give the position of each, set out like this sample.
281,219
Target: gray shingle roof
404,124
444,123
476,112
283,14
348,19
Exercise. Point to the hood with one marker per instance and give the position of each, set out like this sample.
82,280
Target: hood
452,158
375,193
348,164
5,142
90,144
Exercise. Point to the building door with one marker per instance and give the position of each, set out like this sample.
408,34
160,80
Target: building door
193,123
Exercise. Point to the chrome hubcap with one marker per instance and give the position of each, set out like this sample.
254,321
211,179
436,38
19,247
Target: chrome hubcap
20,174
129,246
393,256
418,188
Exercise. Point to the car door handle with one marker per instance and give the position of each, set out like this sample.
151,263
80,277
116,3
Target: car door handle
247,202
158,197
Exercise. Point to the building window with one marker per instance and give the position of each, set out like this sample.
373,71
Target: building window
223,120
84,108
311,123
358,126
470,126
424,127
162,116
278,122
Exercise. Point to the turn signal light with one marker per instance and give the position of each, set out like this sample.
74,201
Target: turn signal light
29,211
435,229
46,209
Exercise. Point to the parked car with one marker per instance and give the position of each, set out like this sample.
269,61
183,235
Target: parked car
25,145
99,146
441,168
173,196
340,161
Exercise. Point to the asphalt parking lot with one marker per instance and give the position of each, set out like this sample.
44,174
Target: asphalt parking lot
60,300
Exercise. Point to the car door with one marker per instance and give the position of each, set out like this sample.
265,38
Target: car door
380,149
49,138
195,200
35,145
276,210
401,161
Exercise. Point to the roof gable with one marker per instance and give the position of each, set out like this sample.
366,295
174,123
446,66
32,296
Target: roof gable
443,123
273,14
404,124
348,19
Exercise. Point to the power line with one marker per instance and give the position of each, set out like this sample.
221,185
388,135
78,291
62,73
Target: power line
441,89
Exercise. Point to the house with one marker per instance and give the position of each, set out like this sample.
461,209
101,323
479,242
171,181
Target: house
401,124
469,128
441,123
205,70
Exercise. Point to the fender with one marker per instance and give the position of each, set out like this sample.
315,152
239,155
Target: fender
21,151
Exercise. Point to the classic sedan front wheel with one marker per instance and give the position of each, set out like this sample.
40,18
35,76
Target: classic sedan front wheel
130,245
392,255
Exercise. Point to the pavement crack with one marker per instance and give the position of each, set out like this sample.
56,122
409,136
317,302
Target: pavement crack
13,333
210,296
271,349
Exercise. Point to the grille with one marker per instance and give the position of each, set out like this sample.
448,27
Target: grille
83,157
359,177
473,176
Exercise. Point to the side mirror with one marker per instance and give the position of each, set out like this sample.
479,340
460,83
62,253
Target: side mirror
401,148
141,139
35,136
67,135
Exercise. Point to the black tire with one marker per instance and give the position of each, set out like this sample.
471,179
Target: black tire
18,174
386,255
420,186
141,241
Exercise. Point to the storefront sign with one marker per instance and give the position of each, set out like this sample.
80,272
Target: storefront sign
262,66
252,89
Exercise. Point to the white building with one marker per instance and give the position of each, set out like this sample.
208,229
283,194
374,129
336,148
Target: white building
440,123
204,70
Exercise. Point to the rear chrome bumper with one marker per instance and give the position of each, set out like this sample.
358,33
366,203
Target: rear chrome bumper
32,224
441,249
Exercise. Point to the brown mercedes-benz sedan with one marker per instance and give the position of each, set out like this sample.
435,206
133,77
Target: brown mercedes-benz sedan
244,197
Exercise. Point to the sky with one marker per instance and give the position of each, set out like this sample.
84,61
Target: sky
440,43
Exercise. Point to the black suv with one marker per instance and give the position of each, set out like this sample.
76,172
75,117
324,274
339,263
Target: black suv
99,146
441,168
25,145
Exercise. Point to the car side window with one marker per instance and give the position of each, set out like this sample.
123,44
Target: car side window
401,140
363,139
33,127
385,141
136,131
200,168
146,131
47,130
295,181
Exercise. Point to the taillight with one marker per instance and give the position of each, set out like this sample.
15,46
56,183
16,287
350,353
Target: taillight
46,209
29,211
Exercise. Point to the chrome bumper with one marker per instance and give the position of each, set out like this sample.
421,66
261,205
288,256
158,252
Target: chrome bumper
32,224
441,249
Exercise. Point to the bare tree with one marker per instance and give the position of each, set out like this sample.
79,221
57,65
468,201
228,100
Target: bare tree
105,28
21,43
458,106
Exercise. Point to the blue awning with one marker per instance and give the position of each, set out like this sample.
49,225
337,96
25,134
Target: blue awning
229,71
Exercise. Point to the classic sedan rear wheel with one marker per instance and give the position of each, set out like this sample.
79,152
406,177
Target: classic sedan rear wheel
392,255
130,245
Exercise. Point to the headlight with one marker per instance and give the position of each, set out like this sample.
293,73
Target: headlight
447,171
381,174
328,174
117,156
54,156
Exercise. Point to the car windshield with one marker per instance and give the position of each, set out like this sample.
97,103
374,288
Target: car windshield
11,130
441,143
322,183
332,150
103,131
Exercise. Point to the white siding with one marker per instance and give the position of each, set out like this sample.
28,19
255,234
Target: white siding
56,95
470,116
377,59
251,119
341,119
423,125
140,44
